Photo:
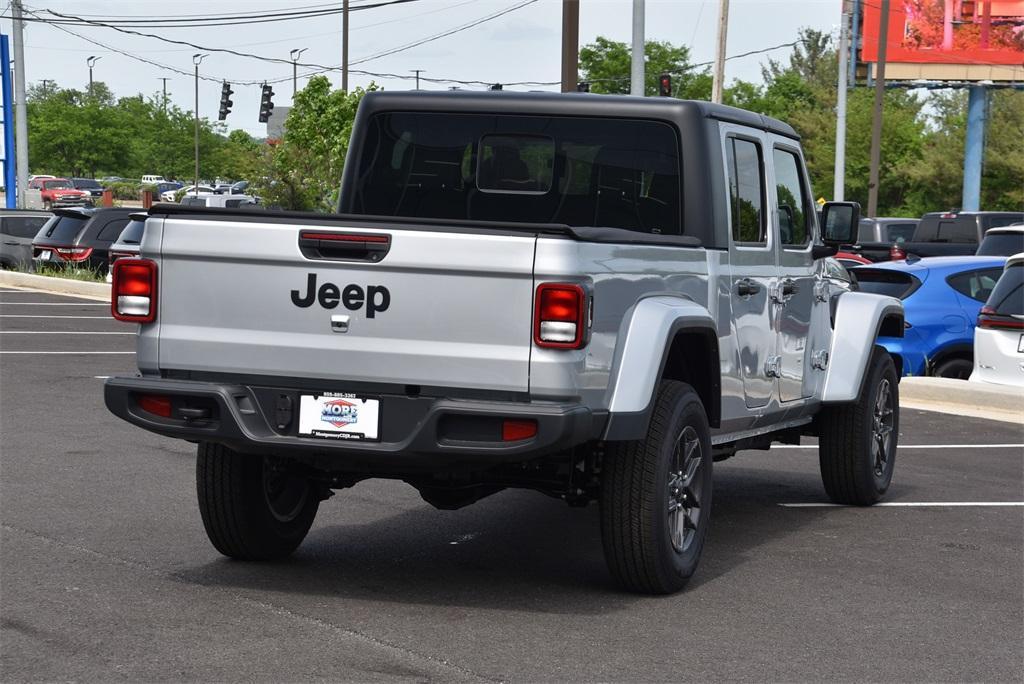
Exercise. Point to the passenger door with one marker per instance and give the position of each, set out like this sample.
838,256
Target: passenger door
752,259
794,295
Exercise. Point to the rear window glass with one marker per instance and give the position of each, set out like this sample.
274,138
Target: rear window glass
1002,244
886,282
86,183
746,191
110,231
132,233
1008,296
899,231
977,285
957,230
572,170
999,221
22,226
65,229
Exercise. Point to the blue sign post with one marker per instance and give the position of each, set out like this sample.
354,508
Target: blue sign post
10,182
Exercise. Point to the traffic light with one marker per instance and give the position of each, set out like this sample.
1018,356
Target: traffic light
496,86
665,85
266,105
225,101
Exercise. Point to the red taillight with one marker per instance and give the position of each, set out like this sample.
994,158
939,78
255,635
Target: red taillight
73,253
515,430
156,404
558,320
897,253
133,293
989,318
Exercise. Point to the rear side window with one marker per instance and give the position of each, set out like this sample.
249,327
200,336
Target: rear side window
110,231
746,191
1008,296
577,171
999,221
23,226
885,282
65,229
792,200
1002,244
132,233
866,231
977,285
894,232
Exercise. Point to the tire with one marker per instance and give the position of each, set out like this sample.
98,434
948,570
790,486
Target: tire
857,441
960,369
235,499
656,496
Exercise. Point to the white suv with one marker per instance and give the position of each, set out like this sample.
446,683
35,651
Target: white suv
152,180
999,336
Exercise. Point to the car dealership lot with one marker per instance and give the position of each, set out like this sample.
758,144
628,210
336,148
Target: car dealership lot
107,574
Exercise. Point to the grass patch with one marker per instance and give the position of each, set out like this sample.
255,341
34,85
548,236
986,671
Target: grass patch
90,275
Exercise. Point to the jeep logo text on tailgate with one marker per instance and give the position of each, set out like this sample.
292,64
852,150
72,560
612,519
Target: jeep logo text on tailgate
376,297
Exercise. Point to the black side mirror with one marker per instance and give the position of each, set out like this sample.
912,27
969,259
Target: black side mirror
839,223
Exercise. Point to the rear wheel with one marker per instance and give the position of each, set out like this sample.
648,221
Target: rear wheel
959,369
857,441
656,496
253,508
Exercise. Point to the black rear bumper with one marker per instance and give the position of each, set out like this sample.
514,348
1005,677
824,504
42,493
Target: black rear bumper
417,433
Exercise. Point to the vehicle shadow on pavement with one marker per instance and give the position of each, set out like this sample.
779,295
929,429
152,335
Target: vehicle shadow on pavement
517,551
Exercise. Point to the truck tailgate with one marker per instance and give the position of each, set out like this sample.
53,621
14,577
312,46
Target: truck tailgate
450,309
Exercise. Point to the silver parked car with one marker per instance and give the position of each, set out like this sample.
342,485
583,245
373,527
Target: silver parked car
17,229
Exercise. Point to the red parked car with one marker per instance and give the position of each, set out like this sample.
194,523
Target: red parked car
60,192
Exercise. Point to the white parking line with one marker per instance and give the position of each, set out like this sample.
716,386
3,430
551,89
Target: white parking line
937,504
918,446
105,318
106,304
67,352
64,332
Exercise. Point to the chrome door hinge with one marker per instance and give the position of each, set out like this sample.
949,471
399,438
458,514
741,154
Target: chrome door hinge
821,291
773,367
819,359
775,292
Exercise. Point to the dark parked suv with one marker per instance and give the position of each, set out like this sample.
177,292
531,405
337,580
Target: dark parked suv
79,237
17,228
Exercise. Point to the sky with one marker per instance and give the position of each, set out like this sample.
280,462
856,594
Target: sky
522,45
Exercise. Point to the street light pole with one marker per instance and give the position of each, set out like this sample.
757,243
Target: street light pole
295,54
636,71
197,59
91,61
165,80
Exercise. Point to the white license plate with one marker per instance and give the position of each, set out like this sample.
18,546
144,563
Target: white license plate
44,255
339,416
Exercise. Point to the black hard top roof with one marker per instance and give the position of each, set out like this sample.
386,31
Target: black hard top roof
567,104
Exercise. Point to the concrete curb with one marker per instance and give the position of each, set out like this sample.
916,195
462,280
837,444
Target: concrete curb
963,398
79,288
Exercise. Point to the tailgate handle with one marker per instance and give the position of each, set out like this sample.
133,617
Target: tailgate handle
344,246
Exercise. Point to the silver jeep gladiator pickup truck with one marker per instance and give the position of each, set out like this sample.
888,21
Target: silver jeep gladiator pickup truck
594,297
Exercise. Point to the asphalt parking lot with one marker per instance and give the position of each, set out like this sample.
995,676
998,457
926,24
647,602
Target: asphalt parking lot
106,573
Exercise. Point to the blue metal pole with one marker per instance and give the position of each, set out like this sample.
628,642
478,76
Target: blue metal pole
974,147
851,77
10,182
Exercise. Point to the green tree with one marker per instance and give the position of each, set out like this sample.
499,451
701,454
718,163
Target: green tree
605,64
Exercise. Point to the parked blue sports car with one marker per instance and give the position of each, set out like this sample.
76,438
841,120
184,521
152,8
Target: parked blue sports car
941,297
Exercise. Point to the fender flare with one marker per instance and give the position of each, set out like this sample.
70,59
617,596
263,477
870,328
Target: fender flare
645,339
859,319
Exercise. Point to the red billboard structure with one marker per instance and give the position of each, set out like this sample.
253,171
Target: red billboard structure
948,40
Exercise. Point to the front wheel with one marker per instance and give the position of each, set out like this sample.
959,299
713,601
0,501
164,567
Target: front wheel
857,440
656,496
253,508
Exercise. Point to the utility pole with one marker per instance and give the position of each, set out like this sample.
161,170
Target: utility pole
295,54
718,78
417,72
344,48
876,123
165,80
636,71
839,182
570,45
20,113
46,86
91,61
197,59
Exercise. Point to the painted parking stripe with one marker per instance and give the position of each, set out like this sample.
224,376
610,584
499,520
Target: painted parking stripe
106,304
65,332
934,504
918,446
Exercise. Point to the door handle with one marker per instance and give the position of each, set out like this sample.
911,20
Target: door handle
789,287
747,287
